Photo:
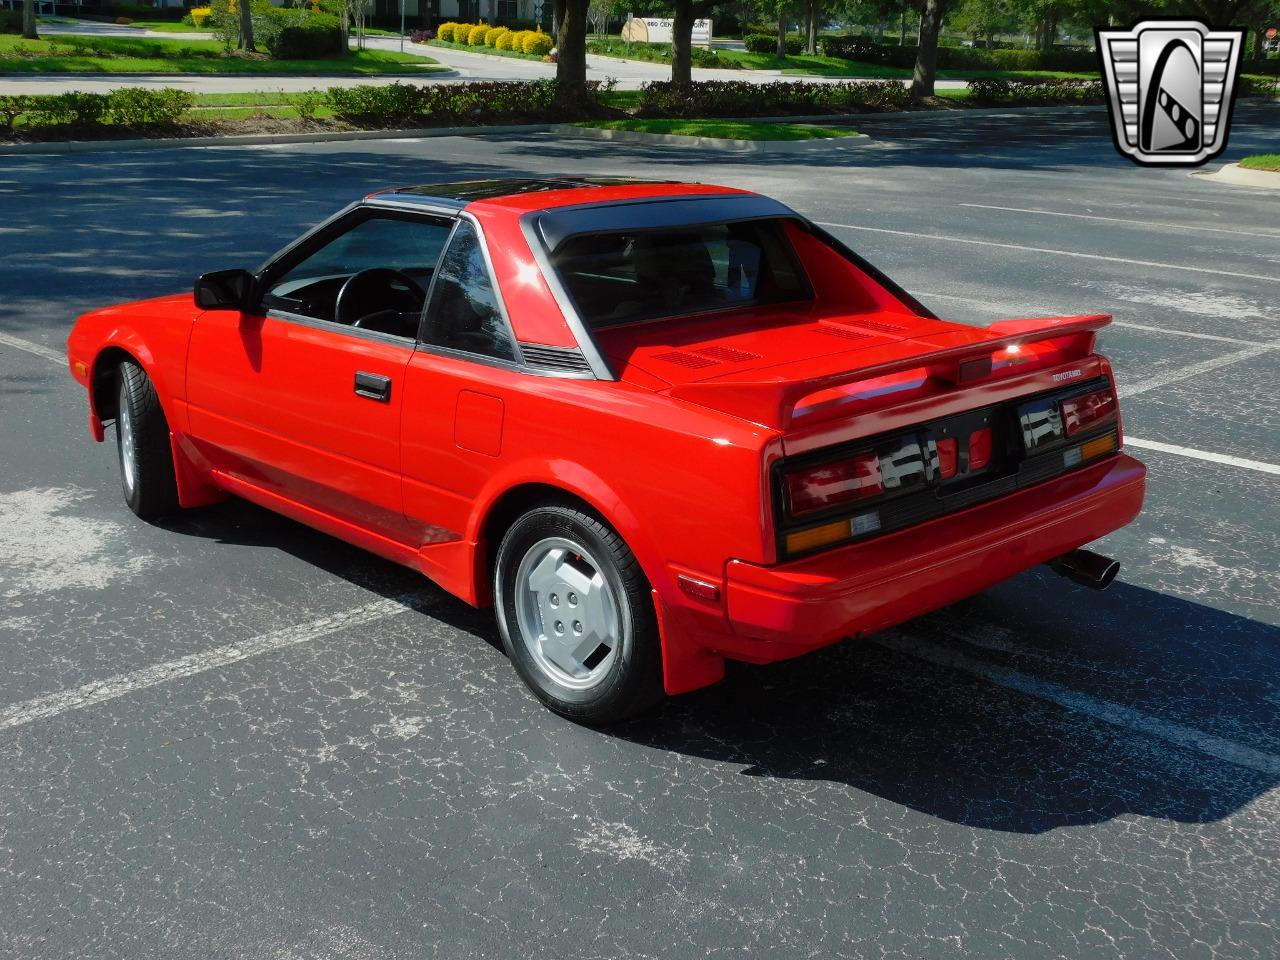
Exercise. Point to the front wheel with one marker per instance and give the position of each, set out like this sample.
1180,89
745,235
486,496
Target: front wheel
576,616
142,443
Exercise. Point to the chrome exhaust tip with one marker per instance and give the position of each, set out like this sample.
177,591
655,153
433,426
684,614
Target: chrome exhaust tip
1086,568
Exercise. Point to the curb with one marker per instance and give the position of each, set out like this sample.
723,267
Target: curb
1239,176
261,139
428,71
819,145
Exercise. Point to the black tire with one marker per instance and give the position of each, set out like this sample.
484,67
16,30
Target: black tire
632,681
146,473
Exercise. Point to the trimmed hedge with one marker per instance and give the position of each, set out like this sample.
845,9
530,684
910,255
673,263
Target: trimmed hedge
456,104
537,44
960,58
10,21
475,36
740,98
768,43
129,107
1037,91
492,34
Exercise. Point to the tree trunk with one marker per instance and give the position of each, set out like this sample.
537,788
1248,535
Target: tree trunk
926,71
681,41
1259,38
29,31
571,52
811,37
246,27
1050,31
782,33
902,27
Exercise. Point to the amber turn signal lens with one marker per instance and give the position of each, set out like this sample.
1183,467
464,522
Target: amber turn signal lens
1097,447
811,539
81,368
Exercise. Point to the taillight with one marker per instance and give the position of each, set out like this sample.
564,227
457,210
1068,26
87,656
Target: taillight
979,448
813,489
947,454
1081,413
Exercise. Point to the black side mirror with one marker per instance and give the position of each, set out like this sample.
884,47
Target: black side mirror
225,290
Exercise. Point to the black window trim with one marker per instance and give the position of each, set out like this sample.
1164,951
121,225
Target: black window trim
325,232
517,362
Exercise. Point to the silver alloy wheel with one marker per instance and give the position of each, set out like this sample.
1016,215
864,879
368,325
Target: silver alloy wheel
568,617
124,423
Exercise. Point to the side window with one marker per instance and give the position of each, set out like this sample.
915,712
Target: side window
373,275
463,313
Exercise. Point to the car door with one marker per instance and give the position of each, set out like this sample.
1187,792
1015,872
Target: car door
457,387
302,399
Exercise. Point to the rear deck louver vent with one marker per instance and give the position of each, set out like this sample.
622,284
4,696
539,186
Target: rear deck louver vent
844,333
879,325
683,359
728,354
554,359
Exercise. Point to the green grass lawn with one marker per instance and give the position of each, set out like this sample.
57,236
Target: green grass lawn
70,54
726,129
1262,161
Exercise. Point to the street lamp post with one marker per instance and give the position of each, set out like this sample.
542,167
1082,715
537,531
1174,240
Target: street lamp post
402,26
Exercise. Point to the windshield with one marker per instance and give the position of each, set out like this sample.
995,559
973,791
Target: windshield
625,276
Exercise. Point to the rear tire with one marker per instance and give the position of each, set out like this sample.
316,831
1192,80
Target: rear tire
142,443
576,616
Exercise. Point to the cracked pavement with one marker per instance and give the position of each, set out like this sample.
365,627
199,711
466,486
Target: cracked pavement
229,736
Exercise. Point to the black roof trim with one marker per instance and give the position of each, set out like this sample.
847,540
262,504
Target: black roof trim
461,192
655,213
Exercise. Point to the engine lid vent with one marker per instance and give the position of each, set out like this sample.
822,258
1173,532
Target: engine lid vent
684,359
729,354
844,333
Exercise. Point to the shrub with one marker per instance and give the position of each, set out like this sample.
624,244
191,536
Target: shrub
421,36
140,107
738,98
1259,86
537,44
123,21
445,31
311,37
475,36
10,21
12,106
1000,90
197,16
768,43
504,40
444,104
492,34
959,58
308,103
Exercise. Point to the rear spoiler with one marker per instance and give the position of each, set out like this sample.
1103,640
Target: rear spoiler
769,397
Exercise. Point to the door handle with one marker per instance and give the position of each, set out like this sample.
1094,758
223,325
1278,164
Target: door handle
373,386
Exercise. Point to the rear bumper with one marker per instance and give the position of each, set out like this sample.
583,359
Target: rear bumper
785,610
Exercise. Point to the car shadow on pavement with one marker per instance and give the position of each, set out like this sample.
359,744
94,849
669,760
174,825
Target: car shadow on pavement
953,744
959,743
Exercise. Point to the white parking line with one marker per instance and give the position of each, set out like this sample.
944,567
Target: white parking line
1273,278
996,308
1116,714
1194,369
1175,227
37,349
1194,454
100,691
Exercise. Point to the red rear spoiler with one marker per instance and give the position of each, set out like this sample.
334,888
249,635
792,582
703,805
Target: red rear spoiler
769,397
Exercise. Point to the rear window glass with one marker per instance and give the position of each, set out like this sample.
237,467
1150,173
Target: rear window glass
620,277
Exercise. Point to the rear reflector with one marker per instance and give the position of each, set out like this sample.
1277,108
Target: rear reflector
1080,413
813,489
698,589
979,448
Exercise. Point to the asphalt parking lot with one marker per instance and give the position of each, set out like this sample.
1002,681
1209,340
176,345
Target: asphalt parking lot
231,737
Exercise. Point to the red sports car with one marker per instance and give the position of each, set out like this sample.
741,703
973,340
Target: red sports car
656,425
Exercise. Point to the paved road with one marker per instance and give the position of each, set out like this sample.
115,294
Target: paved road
629,74
344,766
